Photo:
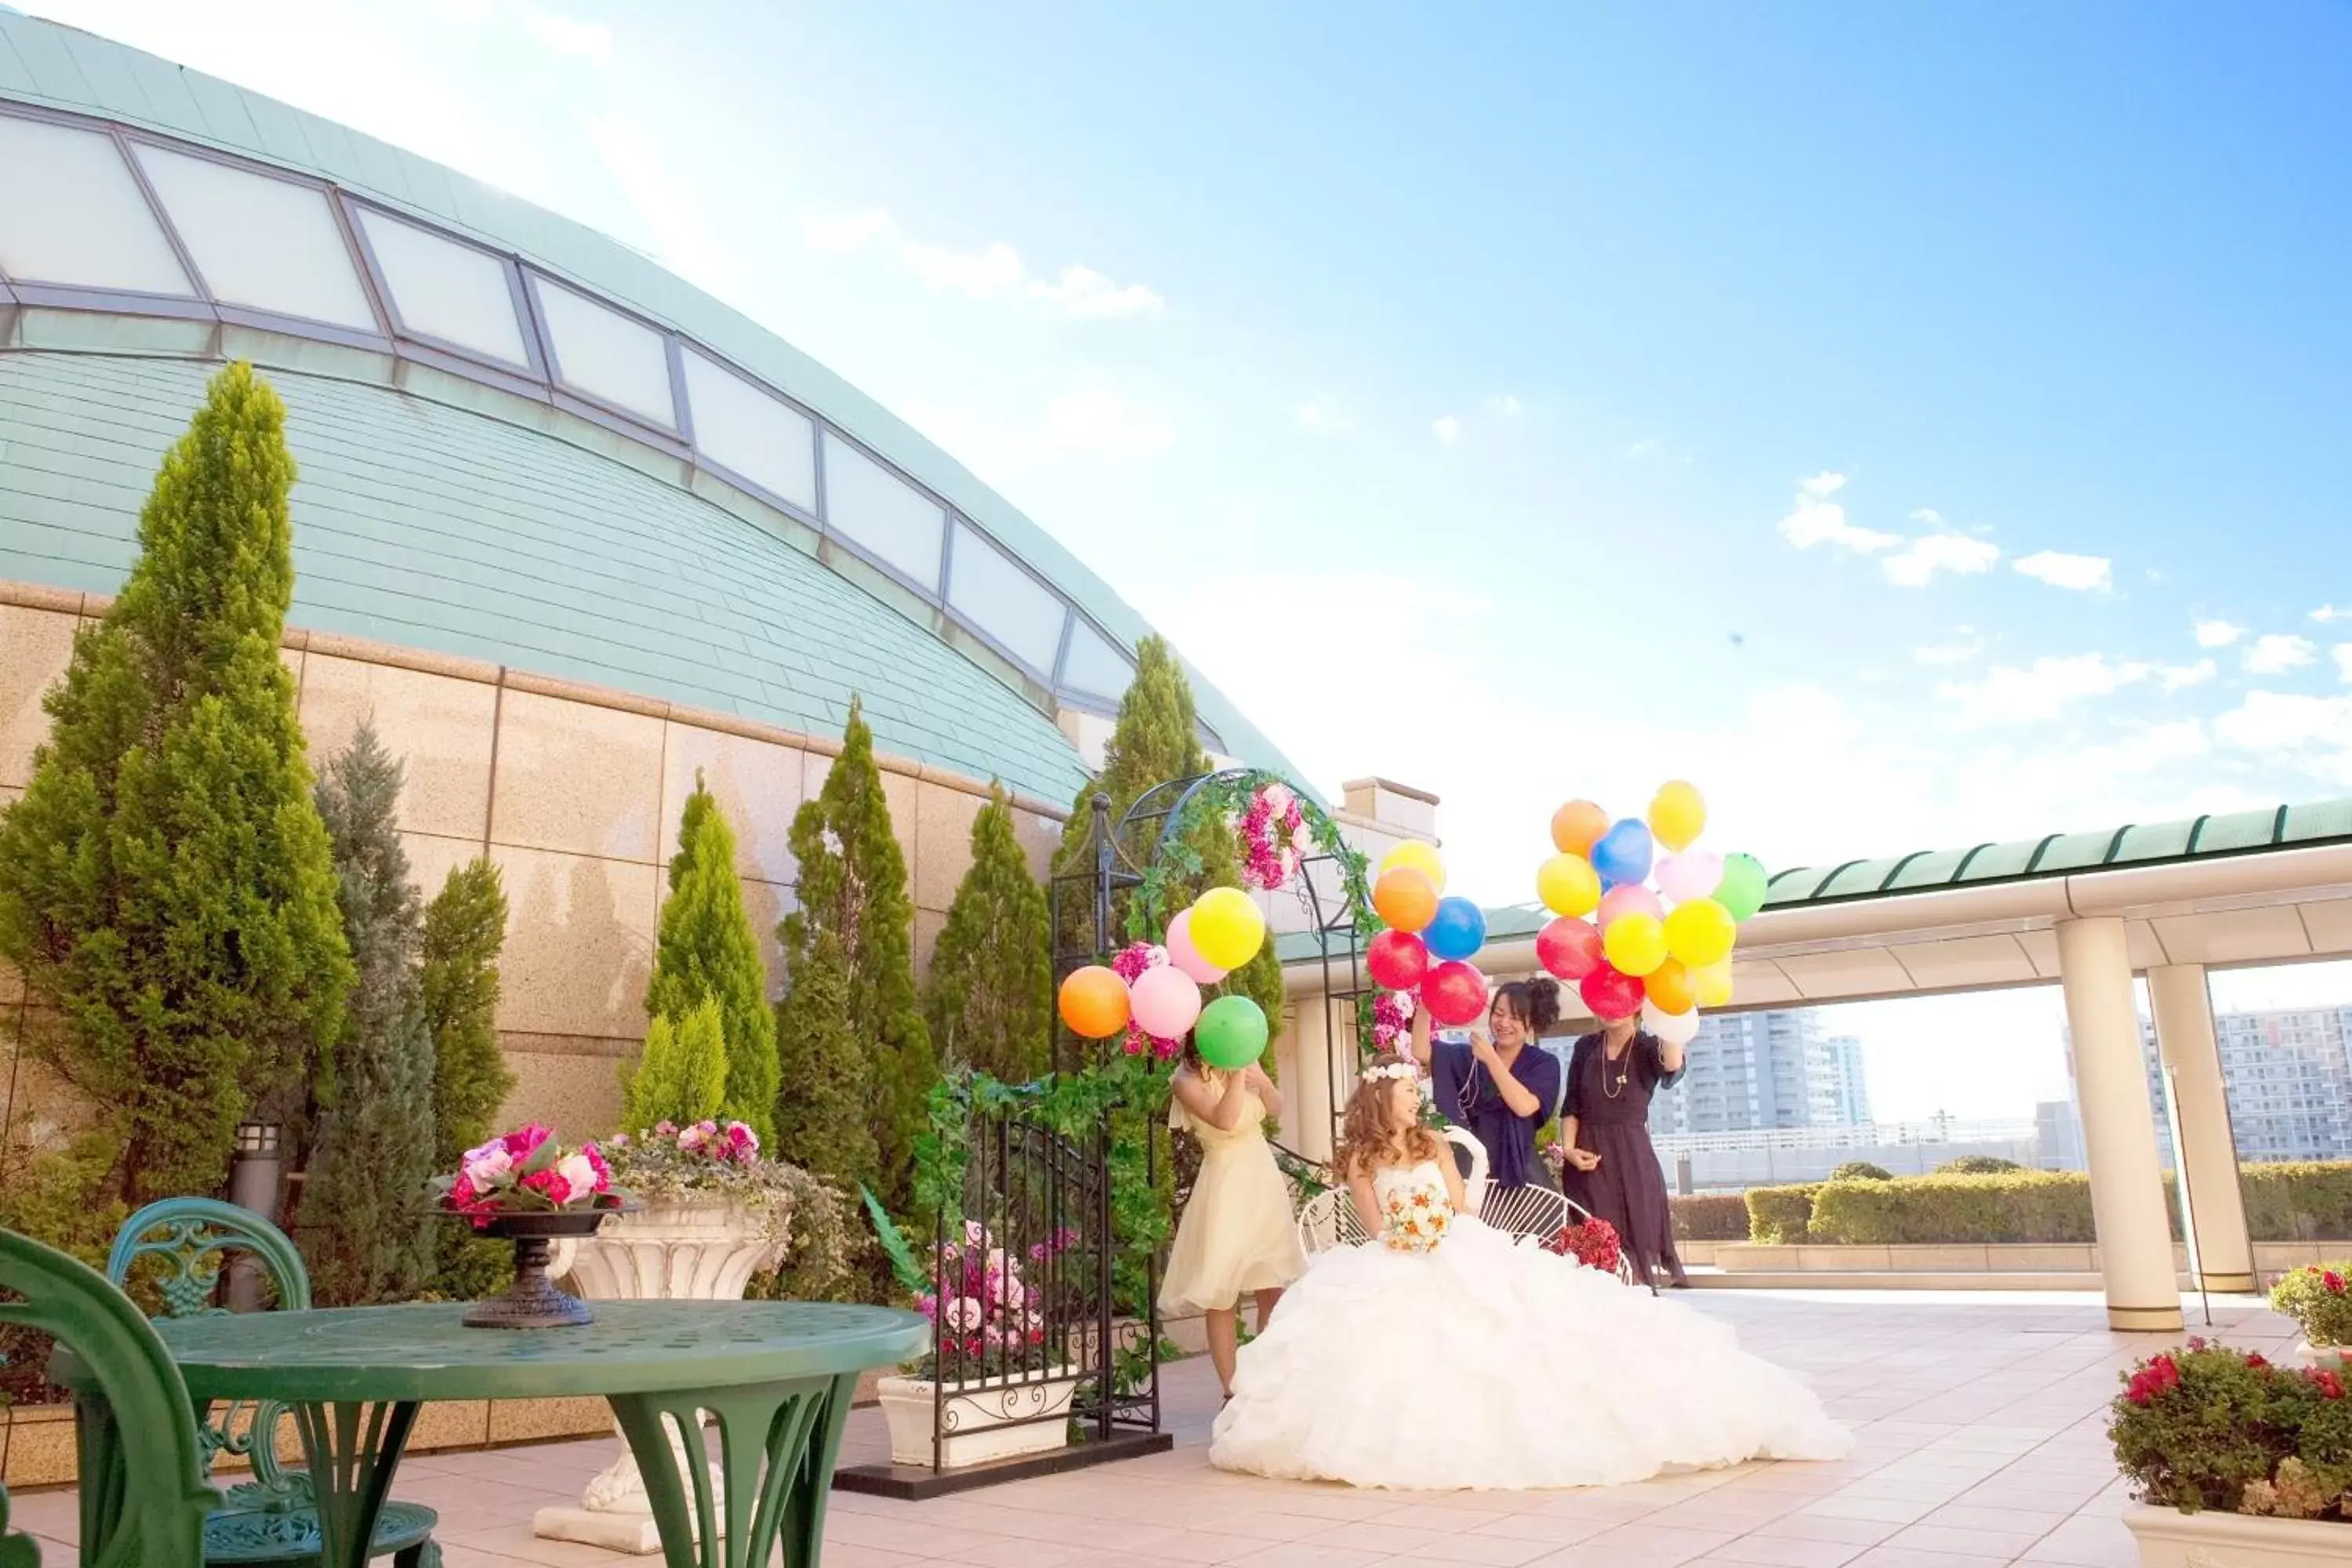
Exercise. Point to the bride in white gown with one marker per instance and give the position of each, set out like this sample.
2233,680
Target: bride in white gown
1534,1369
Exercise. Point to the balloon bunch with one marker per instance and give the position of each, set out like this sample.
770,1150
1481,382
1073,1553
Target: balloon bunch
1431,938
1639,932
1159,993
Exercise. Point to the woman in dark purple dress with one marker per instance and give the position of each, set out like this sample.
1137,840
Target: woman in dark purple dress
1610,1166
1502,1084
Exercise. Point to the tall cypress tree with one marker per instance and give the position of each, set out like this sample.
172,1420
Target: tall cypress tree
989,998
707,951
854,885
825,1116
465,931
680,1077
374,1149
165,882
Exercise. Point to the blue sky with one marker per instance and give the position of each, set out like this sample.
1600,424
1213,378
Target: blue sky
1916,426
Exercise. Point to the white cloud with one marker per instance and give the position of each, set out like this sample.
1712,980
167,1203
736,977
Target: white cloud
2278,653
2180,677
1323,414
2040,691
2327,612
1927,517
994,271
2315,733
1086,295
1818,519
1103,420
2082,573
838,234
1506,405
2343,652
2218,633
1949,653
1930,553
1447,428
567,35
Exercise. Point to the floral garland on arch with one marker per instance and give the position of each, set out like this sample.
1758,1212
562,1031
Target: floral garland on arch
1130,964
1275,838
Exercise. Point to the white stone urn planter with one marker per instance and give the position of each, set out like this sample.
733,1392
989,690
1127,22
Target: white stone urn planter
705,1251
2321,1355
2170,1539
977,1417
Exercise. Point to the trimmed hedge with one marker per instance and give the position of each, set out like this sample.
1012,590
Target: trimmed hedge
2299,1202
1710,1216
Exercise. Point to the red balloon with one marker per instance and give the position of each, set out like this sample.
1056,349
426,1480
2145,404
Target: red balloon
1569,949
1611,992
1398,961
1454,993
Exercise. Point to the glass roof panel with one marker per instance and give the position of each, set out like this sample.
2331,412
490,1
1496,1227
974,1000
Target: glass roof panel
996,596
607,355
70,213
447,290
266,244
1095,668
763,438
881,514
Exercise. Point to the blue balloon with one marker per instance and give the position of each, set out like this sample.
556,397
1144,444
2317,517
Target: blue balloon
1623,854
1457,931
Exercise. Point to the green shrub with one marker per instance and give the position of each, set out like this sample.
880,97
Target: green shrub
1977,1165
2319,1299
59,1197
2303,1200
1781,1215
2212,1428
1860,1171
681,1078
1710,1216
465,930
2024,1207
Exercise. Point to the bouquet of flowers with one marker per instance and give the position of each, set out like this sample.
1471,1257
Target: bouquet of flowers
527,1172
1592,1242
1274,835
1417,1219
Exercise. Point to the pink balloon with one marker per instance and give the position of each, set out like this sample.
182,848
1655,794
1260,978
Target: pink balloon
1166,1001
1632,898
1183,955
1692,874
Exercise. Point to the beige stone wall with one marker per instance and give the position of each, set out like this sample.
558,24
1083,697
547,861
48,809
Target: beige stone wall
575,792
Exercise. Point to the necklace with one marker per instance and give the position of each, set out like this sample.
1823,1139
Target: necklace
1622,1063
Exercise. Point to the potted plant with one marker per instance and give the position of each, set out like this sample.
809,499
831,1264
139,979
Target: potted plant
2319,1299
2235,1460
528,1188
990,1386
711,1214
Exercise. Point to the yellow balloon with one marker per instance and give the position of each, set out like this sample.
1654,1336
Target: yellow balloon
1714,984
1636,943
1416,855
1227,929
1568,886
1700,931
1678,815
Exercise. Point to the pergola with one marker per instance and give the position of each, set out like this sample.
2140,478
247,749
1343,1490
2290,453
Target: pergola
2171,900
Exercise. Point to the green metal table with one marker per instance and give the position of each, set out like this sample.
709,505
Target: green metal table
777,1378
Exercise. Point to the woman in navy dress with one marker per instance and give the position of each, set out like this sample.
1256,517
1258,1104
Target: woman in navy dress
1503,1084
1609,1167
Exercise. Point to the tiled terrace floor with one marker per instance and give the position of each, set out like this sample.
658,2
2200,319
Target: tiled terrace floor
1979,1418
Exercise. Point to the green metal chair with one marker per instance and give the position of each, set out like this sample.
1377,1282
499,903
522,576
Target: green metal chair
271,1521
146,1506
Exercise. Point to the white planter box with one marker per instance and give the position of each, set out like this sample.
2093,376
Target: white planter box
2168,1538
2320,1355
976,1415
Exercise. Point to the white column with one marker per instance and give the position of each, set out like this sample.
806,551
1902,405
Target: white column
2118,1127
1310,1085
2209,1158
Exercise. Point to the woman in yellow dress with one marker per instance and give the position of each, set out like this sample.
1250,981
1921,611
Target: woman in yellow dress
1237,1236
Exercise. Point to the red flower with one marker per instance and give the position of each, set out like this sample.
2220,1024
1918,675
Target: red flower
2329,1384
2334,1281
2160,1375
2257,1362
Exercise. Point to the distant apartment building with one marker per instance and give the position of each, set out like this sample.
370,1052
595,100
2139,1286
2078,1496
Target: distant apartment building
1752,1070
2288,1073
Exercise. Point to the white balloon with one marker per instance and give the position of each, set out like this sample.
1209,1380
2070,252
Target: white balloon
1673,1028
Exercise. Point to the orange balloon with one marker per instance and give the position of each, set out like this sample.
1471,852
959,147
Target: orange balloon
1577,826
1672,986
1093,1003
1405,899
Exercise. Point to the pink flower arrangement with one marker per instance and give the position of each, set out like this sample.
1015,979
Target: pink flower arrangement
983,1313
1275,838
1130,964
526,1172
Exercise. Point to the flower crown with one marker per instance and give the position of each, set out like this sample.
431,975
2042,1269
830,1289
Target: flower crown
1403,1070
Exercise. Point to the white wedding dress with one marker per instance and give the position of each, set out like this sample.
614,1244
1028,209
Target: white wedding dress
1490,1363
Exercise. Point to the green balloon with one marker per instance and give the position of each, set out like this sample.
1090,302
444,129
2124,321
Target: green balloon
1742,888
1231,1033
